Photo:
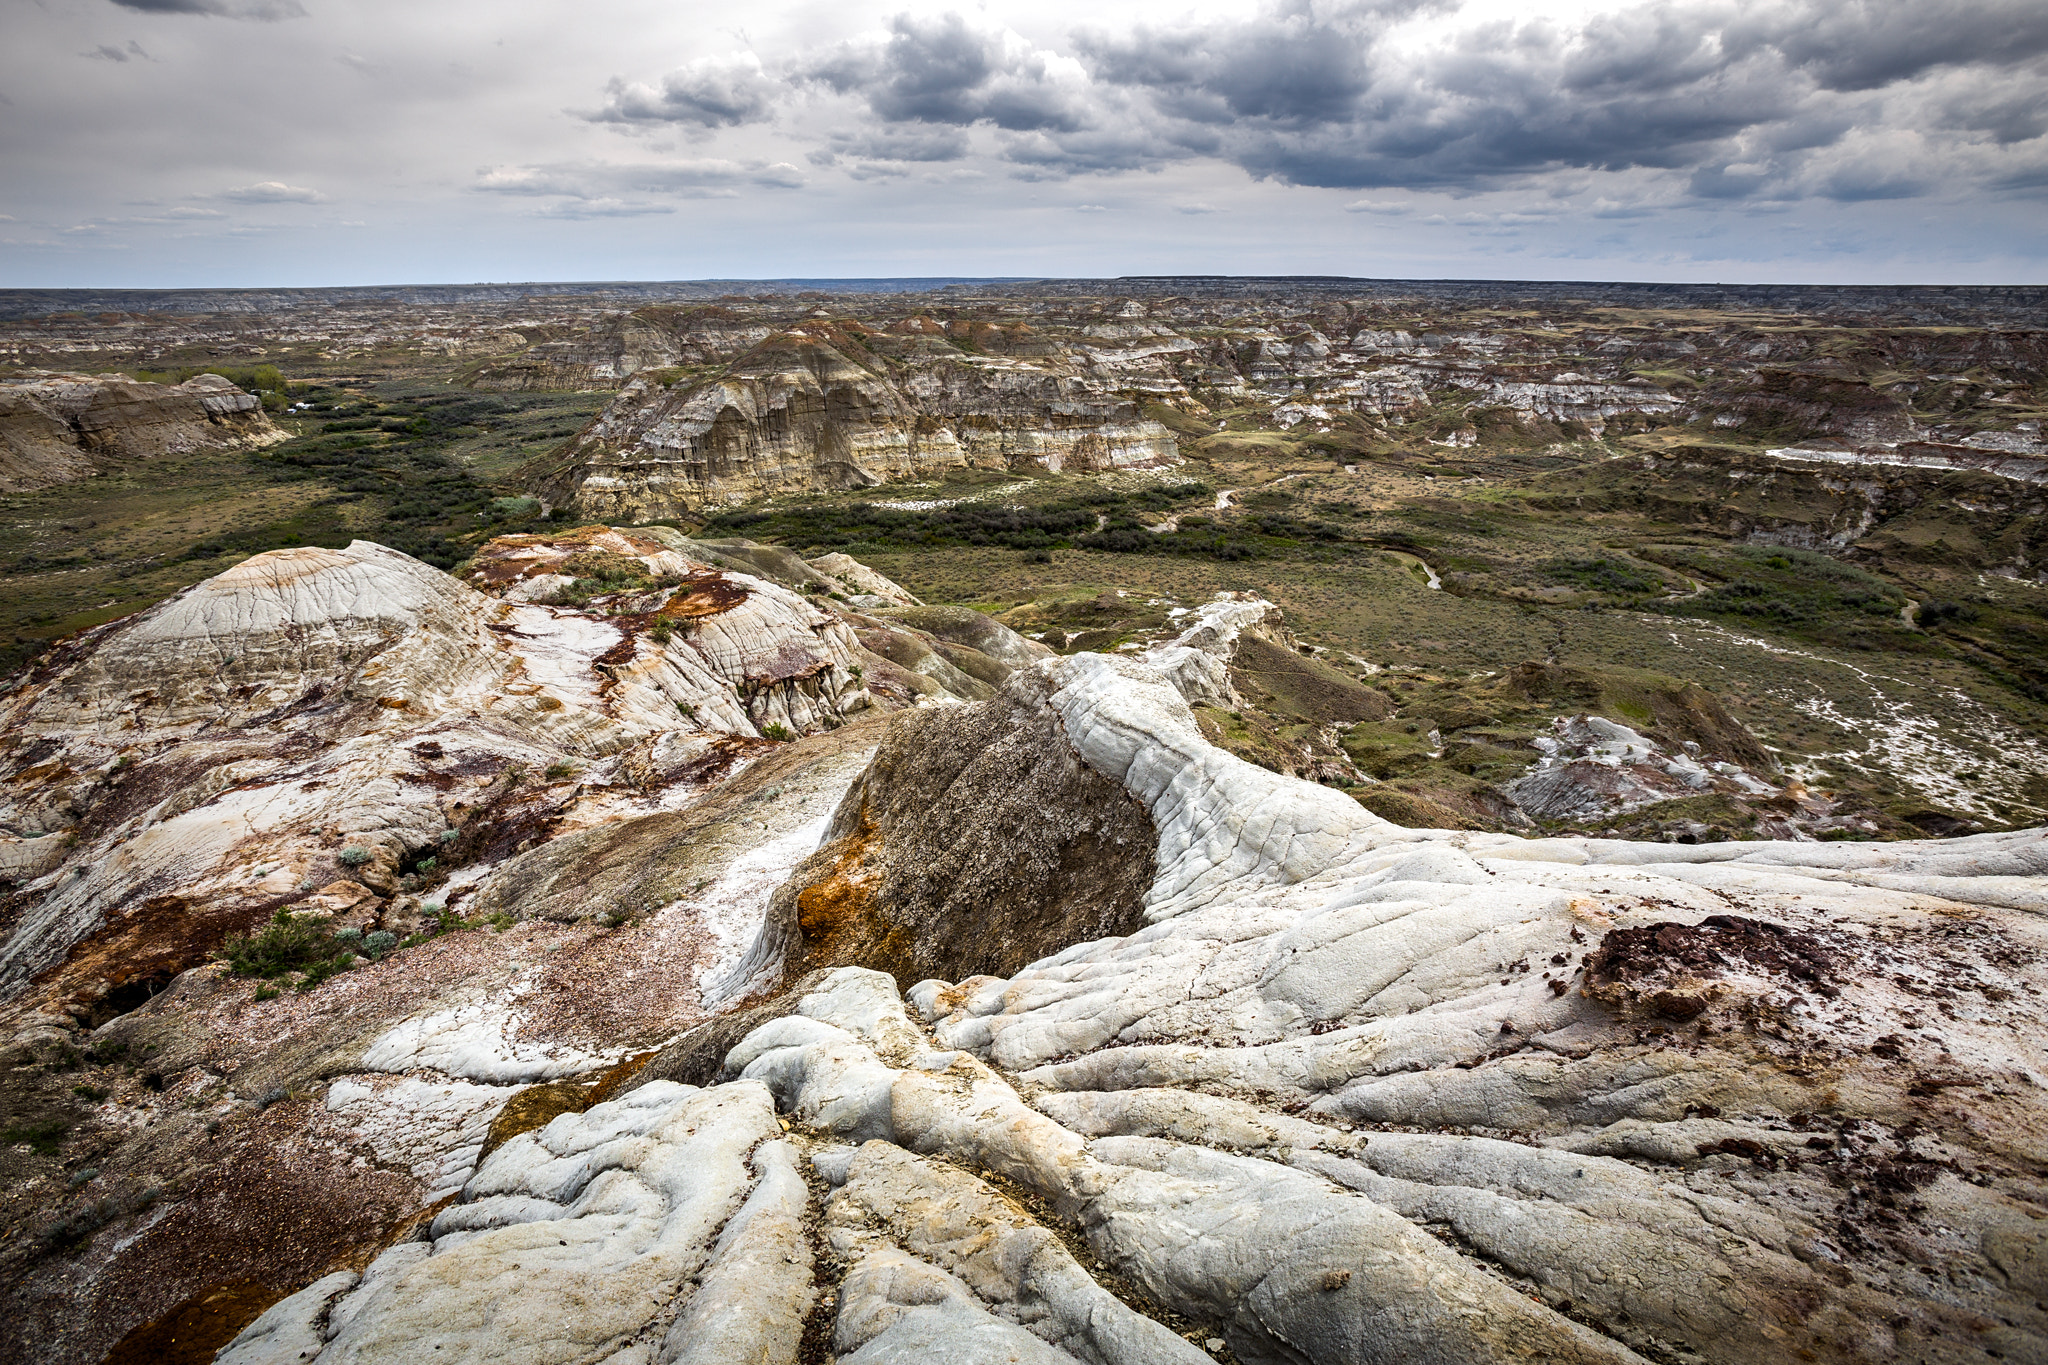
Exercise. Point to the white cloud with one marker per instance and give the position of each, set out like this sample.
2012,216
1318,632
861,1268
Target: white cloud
592,181
273,192
604,208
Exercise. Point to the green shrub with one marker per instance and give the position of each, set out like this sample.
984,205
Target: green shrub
555,772
355,855
43,1136
1614,576
292,944
775,730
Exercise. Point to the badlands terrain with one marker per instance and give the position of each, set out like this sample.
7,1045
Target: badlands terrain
1138,821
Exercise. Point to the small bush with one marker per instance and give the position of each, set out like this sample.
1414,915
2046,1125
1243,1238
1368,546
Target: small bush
1940,610
83,1222
290,944
355,855
43,1136
379,943
555,772
776,730
449,836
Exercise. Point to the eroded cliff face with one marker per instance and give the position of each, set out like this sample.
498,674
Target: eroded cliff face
58,427
1034,1028
815,408
606,354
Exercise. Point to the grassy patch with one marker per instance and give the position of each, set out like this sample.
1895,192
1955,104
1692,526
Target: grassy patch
44,1136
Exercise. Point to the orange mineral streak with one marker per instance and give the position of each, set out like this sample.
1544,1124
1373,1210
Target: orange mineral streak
840,919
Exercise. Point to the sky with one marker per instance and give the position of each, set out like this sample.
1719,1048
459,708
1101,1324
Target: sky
181,143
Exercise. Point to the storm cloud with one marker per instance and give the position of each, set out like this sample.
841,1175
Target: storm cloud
164,141
945,71
1740,100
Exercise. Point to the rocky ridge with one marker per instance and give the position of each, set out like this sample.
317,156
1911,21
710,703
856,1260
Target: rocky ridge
981,387
1169,1057
814,408
58,427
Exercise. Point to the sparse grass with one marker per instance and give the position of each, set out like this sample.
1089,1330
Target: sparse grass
44,1136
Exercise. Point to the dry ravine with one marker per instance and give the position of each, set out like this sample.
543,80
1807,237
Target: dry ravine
636,949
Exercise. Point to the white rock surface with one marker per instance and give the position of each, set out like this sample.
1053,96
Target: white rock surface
574,1241
433,1126
308,701
478,1041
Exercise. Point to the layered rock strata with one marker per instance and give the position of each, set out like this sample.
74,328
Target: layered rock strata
182,770
815,409
58,427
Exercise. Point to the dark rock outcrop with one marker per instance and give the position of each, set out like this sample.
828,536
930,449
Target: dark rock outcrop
975,843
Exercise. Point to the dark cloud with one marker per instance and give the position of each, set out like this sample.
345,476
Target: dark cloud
266,10
1295,64
720,93
1735,98
106,52
1314,96
1867,44
942,71
899,142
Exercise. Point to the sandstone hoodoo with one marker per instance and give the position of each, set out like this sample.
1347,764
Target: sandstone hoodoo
653,949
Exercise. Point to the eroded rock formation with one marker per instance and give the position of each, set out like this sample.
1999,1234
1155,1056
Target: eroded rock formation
815,408
1034,1029
58,427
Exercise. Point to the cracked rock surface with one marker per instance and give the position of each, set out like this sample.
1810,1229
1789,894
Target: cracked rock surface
1033,1029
